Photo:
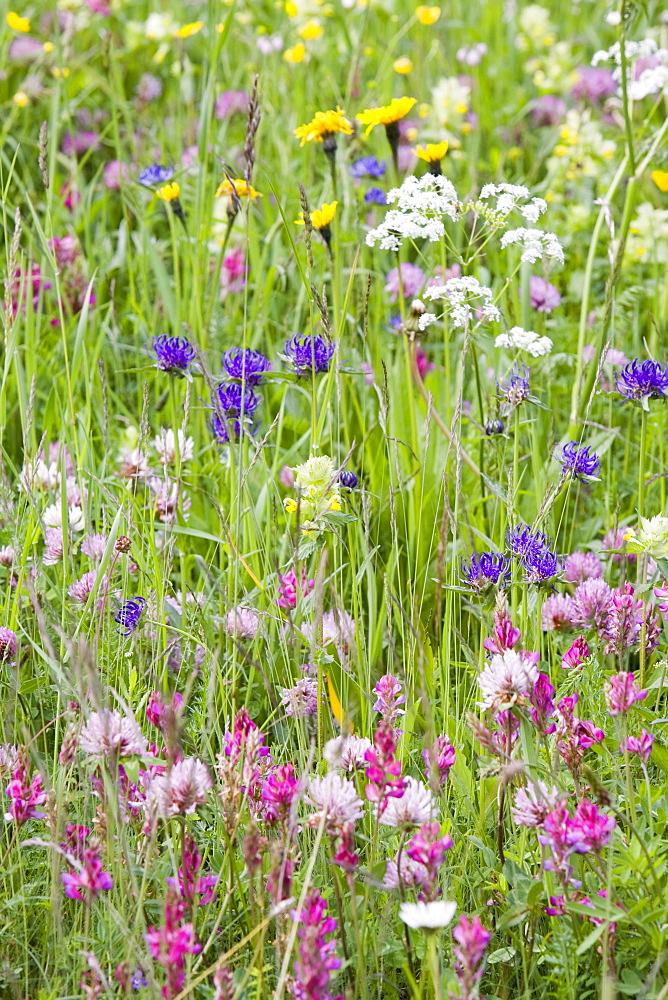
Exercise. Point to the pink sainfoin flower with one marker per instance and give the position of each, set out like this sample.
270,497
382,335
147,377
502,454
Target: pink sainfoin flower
542,705
589,829
581,566
108,734
162,715
472,940
423,363
557,613
574,735
24,796
661,594
544,296
389,698
8,644
317,961
621,693
279,790
287,588
592,601
428,848
554,836
190,886
88,881
624,622
504,738
506,635
181,789
508,678
438,759
641,745
233,272
412,280
279,882
171,943
246,741
576,655
532,804
383,772
415,807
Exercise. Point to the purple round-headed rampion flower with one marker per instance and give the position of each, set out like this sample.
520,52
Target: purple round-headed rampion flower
367,166
173,354
246,365
484,570
234,399
641,380
225,429
309,354
157,173
375,196
532,549
128,615
578,461
516,387
348,479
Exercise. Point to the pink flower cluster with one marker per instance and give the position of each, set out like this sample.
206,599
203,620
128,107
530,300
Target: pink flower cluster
317,961
171,943
24,796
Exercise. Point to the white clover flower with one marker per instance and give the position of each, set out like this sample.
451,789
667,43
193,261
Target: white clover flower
524,340
165,445
535,244
458,293
428,916
53,517
336,799
415,807
40,474
509,676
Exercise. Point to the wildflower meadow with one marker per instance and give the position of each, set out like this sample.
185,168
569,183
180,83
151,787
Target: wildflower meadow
333,500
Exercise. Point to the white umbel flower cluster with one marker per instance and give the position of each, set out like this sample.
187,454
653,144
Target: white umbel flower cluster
509,198
535,244
518,339
463,297
421,205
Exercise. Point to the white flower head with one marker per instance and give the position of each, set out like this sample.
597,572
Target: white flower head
415,807
422,203
524,340
428,916
165,445
506,679
509,198
53,517
335,798
346,752
535,244
465,296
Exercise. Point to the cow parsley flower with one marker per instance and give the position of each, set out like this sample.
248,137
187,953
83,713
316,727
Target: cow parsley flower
465,300
509,198
524,340
535,243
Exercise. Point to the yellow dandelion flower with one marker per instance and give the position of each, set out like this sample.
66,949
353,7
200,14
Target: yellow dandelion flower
48,47
21,99
403,65
660,178
291,9
188,29
239,187
311,30
390,114
290,505
323,124
433,152
18,23
428,15
320,217
169,192
295,54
